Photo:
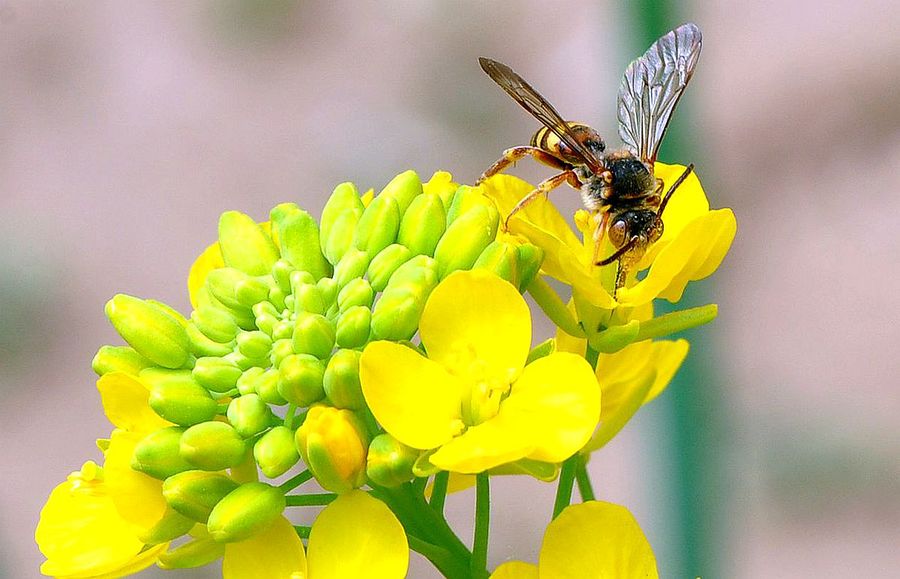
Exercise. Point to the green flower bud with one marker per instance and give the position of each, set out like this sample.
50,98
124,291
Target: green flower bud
201,345
215,323
194,553
172,525
157,454
396,315
283,330
118,359
181,400
247,510
389,462
212,446
352,266
216,374
266,323
251,291
278,297
281,349
267,387
249,415
466,238
530,259
357,292
403,189
543,349
464,199
298,235
152,332
313,334
341,380
255,345
333,445
281,271
378,226
240,360
222,284
245,245
339,218
500,258
353,327
275,452
301,377
246,384
328,287
308,298
423,225
194,493
383,266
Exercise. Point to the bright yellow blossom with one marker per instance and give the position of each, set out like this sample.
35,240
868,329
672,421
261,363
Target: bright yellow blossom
592,540
472,400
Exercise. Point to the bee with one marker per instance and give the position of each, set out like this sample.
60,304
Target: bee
618,187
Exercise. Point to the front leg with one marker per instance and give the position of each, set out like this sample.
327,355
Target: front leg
544,187
511,156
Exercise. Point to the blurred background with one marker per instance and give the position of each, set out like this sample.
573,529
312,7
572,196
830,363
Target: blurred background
125,129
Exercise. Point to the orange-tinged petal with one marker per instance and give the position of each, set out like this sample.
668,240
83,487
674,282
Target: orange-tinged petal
357,536
596,539
126,403
474,317
557,398
275,552
494,442
412,397
138,497
515,570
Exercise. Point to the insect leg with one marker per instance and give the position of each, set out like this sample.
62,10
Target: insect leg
544,187
599,233
511,156
619,252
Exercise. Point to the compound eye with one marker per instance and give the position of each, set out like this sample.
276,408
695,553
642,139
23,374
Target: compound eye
618,232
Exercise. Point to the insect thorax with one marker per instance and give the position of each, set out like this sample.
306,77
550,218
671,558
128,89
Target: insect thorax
631,178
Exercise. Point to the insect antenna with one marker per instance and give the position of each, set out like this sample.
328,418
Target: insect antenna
619,252
684,175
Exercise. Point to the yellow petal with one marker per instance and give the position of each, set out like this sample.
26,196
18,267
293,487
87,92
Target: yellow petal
687,203
557,398
596,539
442,185
413,398
621,372
137,496
126,403
275,552
476,317
357,536
210,259
494,442
720,227
515,570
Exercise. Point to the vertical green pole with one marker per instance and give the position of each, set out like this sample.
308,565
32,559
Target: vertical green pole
693,404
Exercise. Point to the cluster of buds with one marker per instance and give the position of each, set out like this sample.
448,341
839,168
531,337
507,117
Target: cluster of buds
266,367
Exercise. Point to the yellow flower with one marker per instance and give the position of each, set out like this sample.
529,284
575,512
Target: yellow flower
472,400
589,540
355,536
693,244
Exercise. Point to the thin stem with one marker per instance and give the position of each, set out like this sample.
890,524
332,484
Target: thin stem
592,355
289,415
478,565
564,488
442,559
314,500
583,479
439,491
295,481
553,306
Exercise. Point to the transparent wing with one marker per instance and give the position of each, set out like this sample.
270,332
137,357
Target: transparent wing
523,93
652,86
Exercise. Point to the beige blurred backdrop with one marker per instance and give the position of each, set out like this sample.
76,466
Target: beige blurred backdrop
126,128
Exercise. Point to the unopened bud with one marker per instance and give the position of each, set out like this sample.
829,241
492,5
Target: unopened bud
281,271
118,359
352,266
442,185
499,258
298,235
245,245
283,330
256,345
464,199
353,327
246,383
194,553
333,445
212,446
157,454
339,218
202,346
245,511
423,225
308,298
328,287
466,238
301,378
341,380
275,452
249,415
215,323
403,189
281,349
251,291
383,266
357,292
313,334
180,399
223,284
216,374
147,328
389,462
194,493
378,226
171,526
396,315
266,385
530,259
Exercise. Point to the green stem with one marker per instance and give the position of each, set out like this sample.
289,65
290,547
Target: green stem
302,531
442,559
553,306
439,491
295,481
583,479
289,416
314,500
564,488
478,564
